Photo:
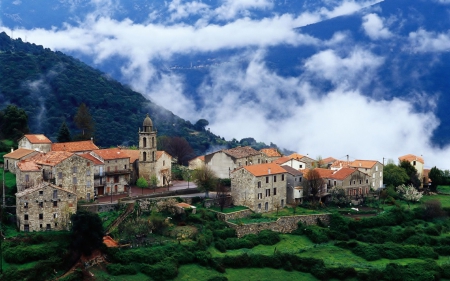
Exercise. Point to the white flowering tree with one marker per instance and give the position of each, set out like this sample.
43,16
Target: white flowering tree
409,193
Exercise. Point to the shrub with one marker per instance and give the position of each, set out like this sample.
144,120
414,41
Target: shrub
317,234
220,245
165,270
225,233
218,278
118,269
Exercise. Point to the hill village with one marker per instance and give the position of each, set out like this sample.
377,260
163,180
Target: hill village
53,177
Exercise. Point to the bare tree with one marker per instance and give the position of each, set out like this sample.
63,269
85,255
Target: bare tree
222,193
178,148
313,184
205,178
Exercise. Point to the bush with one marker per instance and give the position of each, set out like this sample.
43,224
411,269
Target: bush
118,269
220,245
165,270
225,233
393,251
317,234
218,278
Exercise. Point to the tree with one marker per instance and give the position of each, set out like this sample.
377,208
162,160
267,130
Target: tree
412,174
178,148
63,133
201,124
154,182
222,192
409,193
87,232
142,183
394,175
13,122
436,176
205,178
83,120
313,184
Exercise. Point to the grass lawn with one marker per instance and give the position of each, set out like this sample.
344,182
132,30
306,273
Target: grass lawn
444,189
194,272
109,217
10,178
101,275
444,199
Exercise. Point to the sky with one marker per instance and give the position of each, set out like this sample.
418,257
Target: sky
244,97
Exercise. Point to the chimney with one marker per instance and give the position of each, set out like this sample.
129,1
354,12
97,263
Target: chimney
12,149
360,164
269,171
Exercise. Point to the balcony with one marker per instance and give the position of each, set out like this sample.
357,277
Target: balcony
99,175
48,177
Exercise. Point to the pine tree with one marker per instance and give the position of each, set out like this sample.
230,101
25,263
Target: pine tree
84,122
63,133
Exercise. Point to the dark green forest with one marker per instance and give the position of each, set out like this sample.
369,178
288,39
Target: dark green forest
51,86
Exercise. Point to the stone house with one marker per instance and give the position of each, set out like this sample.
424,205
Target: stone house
98,171
223,162
197,162
291,162
294,191
371,167
353,181
28,174
77,147
134,164
44,207
37,142
117,169
163,168
15,156
271,154
322,174
69,171
305,161
260,187
416,161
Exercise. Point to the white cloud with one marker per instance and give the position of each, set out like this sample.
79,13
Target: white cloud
374,27
233,8
426,41
179,10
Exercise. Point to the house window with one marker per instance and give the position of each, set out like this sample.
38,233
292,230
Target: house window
334,183
26,205
125,167
373,176
259,206
55,194
295,179
88,172
259,161
27,178
274,178
267,179
267,192
282,203
274,191
88,183
354,182
48,226
414,163
88,163
301,166
56,224
329,182
381,174
55,216
360,181
41,192
367,180
26,227
164,163
259,184
41,204
74,169
25,217
55,203
60,175
300,179
376,168
41,216
239,164
246,163
40,225
282,177
266,206
259,195
74,180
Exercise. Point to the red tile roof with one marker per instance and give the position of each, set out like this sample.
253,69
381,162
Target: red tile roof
241,152
343,173
265,169
160,153
112,153
74,146
282,160
19,153
38,138
271,152
340,164
40,186
133,154
323,173
410,158
296,156
292,171
363,164
328,160
28,166
88,156
51,158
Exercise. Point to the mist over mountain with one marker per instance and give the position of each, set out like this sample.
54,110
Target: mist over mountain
365,78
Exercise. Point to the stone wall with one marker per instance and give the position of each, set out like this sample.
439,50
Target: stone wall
99,208
233,215
283,224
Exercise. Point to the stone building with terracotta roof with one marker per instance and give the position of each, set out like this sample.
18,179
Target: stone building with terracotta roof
117,170
416,161
15,156
197,162
271,153
294,191
371,167
224,161
44,207
37,142
260,187
163,168
291,162
308,163
77,147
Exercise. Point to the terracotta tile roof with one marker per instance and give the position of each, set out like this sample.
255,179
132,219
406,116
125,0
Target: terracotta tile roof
282,160
296,156
271,152
109,242
133,154
184,205
89,156
328,160
340,164
112,153
292,171
241,152
201,158
39,138
51,158
323,173
28,166
40,186
19,153
363,164
263,169
74,146
410,158
343,173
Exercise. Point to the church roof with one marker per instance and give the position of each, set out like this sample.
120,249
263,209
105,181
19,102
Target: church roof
147,122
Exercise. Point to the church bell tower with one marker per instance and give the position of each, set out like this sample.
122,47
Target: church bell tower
147,149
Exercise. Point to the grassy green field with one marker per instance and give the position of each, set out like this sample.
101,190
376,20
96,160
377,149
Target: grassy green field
230,209
10,178
444,199
194,272
443,189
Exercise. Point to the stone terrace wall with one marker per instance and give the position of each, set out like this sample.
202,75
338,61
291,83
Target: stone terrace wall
283,224
233,215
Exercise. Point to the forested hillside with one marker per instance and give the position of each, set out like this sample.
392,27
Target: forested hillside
51,86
